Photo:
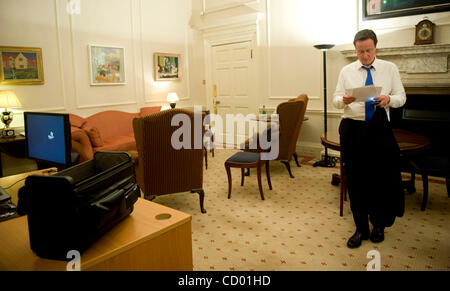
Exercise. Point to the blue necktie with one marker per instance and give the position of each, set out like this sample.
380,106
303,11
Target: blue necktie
370,107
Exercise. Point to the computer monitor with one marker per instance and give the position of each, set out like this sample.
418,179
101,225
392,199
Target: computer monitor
48,138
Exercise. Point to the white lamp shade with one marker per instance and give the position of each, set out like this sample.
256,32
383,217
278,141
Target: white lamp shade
9,99
172,97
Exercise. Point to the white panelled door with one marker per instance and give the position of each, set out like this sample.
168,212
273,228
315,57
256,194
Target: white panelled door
234,80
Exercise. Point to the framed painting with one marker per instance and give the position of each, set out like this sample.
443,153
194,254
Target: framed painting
21,66
167,67
377,9
106,65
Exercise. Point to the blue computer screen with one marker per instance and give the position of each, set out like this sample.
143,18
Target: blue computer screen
46,137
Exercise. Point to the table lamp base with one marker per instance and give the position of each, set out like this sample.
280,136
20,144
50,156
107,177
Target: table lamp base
8,132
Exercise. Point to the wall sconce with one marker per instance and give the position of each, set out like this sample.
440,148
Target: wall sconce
8,99
172,98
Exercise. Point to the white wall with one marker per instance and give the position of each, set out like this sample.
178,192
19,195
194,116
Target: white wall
290,65
141,27
296,66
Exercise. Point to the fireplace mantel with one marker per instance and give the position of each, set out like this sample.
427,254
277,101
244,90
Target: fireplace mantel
420,66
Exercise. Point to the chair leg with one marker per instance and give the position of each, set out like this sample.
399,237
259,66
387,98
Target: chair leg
247,173
259,181
229,180
201,193
268,174
150,198
206,157
344,186
411,185
425,191
242,176
288,167
447,182
296,160
212,145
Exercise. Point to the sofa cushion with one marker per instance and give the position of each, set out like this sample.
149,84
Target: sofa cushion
76,120
149,110
81,144
118,143
112,123
93,133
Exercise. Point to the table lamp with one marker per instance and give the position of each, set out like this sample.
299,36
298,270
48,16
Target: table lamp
172,98
8,99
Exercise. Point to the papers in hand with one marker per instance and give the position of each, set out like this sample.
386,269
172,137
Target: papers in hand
363,94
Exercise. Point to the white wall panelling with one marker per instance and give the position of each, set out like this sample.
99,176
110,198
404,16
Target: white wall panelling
22,23
285,32
141,27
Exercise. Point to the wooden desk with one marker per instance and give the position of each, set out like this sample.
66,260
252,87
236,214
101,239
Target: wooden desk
13,146
13,183
410,143
139,242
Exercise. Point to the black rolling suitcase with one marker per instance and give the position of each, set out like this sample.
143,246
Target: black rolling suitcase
71,209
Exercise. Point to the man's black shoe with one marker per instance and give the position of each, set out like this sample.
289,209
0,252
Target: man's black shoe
355,240
377,234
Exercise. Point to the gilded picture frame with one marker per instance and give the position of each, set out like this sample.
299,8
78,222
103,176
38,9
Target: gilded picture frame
167,67
378,9
21,66
106,65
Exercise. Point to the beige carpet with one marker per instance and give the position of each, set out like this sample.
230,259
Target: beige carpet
298,226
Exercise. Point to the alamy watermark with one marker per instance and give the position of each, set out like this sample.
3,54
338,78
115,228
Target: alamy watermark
267,140
375,263
75,263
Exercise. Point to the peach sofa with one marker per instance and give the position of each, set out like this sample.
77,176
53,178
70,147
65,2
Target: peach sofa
110,130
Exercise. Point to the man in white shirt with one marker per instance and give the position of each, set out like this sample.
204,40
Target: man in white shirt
362,145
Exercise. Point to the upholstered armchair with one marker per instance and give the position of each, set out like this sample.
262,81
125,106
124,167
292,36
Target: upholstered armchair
161,168
291,115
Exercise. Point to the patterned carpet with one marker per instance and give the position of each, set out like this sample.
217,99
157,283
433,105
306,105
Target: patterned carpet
298,226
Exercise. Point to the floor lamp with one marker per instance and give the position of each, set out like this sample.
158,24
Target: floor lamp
326,160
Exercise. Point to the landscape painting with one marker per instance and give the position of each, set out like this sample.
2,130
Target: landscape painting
21,66
106,65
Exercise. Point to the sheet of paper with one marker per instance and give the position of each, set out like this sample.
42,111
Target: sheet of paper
362,94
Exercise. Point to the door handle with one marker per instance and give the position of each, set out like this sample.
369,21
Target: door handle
215,106
215,99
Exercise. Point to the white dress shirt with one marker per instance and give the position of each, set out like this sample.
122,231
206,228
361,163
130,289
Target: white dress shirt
385,74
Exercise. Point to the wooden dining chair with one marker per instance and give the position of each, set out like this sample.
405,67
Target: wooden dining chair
291,115
431,165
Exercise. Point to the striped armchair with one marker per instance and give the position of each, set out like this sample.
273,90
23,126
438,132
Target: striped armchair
161,168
